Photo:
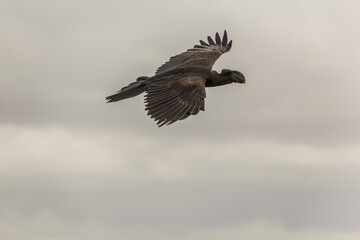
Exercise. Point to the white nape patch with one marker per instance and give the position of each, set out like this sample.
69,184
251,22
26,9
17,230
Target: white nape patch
219,71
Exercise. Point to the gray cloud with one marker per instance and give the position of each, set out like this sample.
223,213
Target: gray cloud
125,183
277,157
62,60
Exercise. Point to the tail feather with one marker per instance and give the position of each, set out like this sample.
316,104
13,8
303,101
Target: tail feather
132,90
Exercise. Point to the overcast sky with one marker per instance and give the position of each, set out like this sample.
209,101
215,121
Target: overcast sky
277,158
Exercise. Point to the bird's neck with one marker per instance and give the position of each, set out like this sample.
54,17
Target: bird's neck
215,80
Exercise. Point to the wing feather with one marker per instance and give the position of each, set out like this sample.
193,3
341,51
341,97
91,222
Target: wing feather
203,55
165,110
225,39
203,43
218,39
211,41
173,100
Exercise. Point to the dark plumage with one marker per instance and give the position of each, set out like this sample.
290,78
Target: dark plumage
177,90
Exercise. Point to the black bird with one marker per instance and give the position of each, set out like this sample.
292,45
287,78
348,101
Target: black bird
177,90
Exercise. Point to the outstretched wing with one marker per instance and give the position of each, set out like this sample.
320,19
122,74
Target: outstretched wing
170,101
203,55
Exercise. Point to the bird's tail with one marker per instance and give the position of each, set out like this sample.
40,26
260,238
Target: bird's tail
132,90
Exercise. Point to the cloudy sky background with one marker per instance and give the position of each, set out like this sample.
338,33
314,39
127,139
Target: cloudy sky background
277,158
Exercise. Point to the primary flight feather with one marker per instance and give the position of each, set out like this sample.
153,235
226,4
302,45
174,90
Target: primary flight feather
177,90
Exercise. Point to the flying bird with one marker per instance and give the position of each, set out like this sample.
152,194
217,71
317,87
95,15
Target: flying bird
177,90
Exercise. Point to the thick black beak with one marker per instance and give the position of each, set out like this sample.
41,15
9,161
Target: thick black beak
239,77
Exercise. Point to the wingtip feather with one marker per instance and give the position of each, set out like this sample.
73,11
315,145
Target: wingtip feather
229,46
211,41
203,43
225,39
218,39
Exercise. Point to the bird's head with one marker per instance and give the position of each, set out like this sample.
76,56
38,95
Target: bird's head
234,76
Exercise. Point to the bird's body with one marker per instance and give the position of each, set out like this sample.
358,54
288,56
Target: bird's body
177,90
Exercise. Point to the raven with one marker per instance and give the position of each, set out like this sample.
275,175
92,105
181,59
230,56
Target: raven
177,90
